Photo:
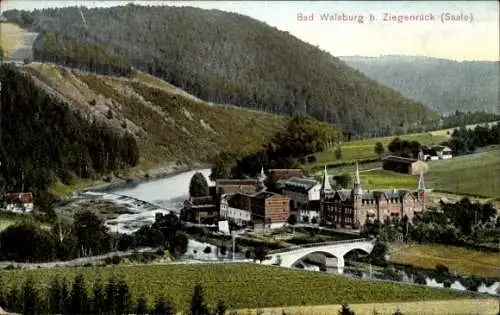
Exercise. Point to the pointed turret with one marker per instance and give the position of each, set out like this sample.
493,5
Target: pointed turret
262,176
421,185
325,183
357,182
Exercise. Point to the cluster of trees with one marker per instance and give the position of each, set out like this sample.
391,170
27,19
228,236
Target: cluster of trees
464,140
459,118
303,136
232,59
86,236
462,223
404,148
43,140
87,56
113,297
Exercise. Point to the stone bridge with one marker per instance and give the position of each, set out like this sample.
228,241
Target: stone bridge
287,257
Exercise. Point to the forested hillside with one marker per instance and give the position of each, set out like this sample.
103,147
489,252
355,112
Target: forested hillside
443,85
60,125
232,59
43,139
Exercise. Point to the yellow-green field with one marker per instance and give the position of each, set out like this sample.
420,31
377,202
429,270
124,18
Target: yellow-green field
365,149
474,174
245,285
458,259
11,35
446,307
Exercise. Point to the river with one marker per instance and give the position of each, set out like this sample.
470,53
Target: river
165,194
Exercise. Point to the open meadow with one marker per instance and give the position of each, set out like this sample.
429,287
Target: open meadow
365,149
445,307
11,36
474,175
458,259
244,285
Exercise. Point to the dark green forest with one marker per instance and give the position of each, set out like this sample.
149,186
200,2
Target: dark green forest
233,59
50,47
43,140
443,85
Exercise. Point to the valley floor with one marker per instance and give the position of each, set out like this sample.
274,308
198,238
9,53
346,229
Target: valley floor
458,259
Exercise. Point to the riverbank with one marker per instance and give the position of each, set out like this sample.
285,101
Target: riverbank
136,177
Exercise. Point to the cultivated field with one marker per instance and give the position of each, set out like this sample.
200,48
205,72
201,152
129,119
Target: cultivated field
453,307
474,174
458,259
245,285
11,35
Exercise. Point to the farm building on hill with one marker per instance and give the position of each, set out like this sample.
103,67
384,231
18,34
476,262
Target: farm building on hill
404,165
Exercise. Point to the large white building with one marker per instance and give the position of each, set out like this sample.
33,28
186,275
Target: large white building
301,190
239,216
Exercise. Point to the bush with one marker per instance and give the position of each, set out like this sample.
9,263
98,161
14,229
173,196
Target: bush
223,250
160,252
311,159
207,250
442,269
248,254
115,260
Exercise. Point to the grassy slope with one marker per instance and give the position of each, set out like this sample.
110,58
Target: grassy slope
173,126
364,149
461,260
470,174
246,285
11,36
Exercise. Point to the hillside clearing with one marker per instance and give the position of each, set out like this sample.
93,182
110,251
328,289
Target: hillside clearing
458,259
11,36
244,285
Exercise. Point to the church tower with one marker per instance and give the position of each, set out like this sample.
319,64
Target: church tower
357,183
262,178
421,189
325,187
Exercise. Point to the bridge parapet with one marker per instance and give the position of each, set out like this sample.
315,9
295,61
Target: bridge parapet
291,248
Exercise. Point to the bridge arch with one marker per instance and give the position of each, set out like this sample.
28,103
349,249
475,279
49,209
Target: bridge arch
288,257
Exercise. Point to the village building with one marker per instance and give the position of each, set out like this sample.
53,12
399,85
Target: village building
404,165
201,209
281,174
436,152
353,208
301,191
237,208
19,202
270,209
309,211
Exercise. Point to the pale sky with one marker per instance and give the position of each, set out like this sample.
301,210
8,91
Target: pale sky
476,39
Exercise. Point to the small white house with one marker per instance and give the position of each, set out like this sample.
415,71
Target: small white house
19,202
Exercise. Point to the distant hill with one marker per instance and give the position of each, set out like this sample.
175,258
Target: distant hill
443,85
228,58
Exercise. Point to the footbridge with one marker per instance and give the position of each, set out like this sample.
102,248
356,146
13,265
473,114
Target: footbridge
287,257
